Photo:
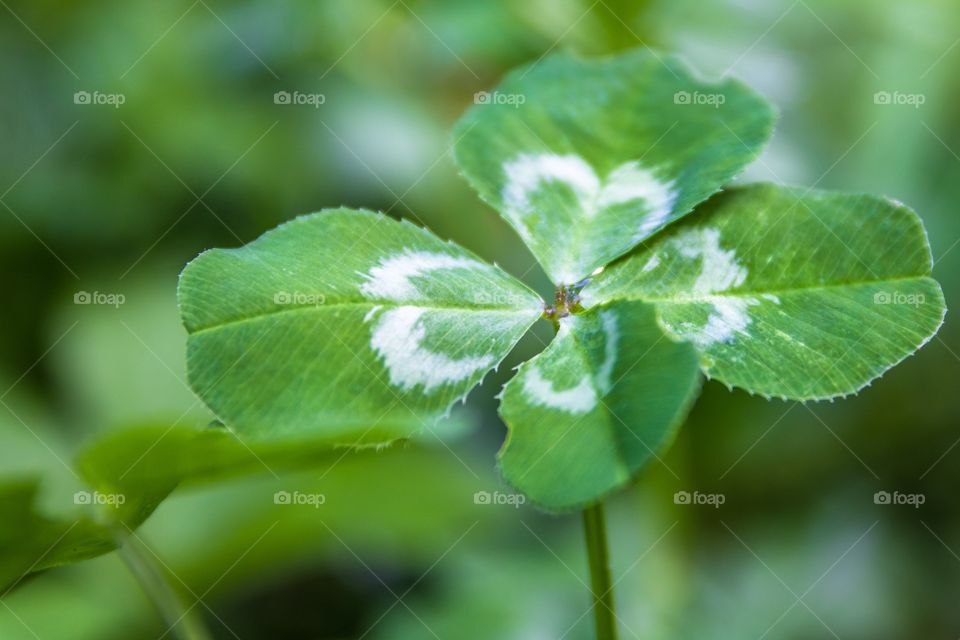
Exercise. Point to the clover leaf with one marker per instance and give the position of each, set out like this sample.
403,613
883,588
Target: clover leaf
348,323
589,411
601,154
789,292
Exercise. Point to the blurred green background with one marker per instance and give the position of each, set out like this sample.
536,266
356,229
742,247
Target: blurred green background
116,198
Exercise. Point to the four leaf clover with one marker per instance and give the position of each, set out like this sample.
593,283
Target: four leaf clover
354,326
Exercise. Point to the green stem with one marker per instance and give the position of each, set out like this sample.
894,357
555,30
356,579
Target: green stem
184,621
595,529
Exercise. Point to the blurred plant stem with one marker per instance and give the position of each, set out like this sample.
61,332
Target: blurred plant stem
595,530
182,620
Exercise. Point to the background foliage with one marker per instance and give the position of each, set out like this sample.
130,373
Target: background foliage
116,200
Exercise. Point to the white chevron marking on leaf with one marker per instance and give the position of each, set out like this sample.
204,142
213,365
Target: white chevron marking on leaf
627,183
585,395
398,339
391,278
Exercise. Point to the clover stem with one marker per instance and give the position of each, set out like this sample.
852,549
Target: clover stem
179,618
595,530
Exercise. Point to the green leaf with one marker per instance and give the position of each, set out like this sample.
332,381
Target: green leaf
40,523
586,158
31,540
126,474
145,464
789,292
588,412
346,323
